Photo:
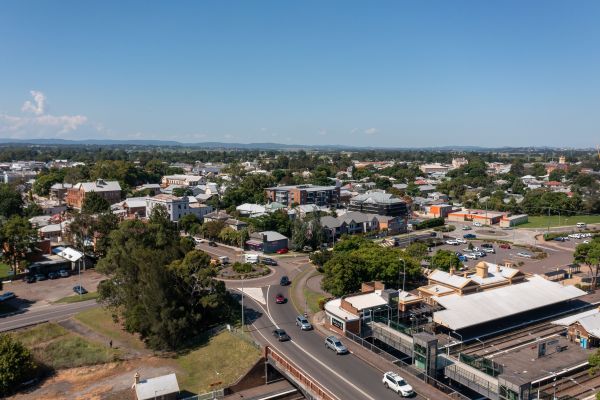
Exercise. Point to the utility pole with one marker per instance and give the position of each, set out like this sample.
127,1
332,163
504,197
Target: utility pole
242,303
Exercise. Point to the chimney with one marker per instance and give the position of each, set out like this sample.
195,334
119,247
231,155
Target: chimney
136,378
452,271
482,270
465,274
498,268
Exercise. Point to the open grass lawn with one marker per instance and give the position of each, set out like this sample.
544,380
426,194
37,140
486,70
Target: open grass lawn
101,321
223,359
312,299
542,221
74,298
58,348
4,270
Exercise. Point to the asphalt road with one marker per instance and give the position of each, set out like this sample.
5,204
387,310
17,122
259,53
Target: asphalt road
345,376
51,312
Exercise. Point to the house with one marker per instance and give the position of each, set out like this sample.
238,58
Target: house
53,232
182,180
267,242
459,162
438,210
58,191
226,219
177,207
109,190
151,189
304,194
131,207
163,387
431,168
380,203
251,210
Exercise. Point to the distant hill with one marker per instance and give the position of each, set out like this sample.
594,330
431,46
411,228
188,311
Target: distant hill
255,146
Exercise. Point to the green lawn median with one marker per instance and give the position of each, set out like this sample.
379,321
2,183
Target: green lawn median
74,298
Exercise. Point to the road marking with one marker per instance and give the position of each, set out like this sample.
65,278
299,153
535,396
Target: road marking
254,293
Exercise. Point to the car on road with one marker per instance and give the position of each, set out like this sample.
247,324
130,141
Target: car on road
581,225
505,246
268,261
466,228
40,277
53,275
489,250
396,383
524,254
281,335
559,239
79,289
212,244
280,299
282,251
63,273
461,241
487,245
334,343
469,236
478,224
284,281
452,242
303,323
7,296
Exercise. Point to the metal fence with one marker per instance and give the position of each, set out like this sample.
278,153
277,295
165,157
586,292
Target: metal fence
406,367
216,394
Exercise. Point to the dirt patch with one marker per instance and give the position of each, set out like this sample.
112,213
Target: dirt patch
105,381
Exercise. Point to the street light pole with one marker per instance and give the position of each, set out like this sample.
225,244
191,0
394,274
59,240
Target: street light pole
403,272
242,303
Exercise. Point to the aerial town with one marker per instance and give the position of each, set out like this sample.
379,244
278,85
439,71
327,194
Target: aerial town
320,200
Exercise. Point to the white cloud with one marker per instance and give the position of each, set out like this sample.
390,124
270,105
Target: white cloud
371,131
322,132
39,103
41,123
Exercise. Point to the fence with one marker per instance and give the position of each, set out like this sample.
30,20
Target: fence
216,394
297,375
406,367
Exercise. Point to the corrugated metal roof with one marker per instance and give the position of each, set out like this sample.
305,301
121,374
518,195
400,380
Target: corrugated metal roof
473,309
154,387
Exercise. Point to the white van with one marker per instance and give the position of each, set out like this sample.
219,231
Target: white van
251,258
224,260
581,225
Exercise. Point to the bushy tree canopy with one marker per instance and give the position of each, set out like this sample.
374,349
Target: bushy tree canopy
16,364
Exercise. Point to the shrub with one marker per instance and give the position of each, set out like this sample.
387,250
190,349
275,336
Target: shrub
242,268
430,223
16,364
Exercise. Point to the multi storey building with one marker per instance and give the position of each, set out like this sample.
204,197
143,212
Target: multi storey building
109,190
378,202
305,194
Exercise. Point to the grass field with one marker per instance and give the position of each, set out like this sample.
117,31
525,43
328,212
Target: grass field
74,298
4,270
58,348
312,299
101,321
542,221
223,359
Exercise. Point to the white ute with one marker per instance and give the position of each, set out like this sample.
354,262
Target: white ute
396,383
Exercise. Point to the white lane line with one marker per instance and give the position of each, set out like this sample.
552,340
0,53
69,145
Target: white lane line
310,355
254,293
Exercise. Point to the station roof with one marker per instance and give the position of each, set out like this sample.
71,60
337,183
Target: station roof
474,309
368,300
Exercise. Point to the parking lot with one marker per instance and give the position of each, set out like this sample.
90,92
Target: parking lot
50,290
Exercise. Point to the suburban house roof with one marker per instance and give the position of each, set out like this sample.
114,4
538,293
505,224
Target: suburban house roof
271,236
154,387
374,197
99,185
448,279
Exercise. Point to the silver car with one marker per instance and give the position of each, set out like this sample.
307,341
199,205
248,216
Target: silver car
334,343
303,323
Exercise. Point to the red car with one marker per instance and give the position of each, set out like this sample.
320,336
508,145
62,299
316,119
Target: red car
279,299
505,246
282,251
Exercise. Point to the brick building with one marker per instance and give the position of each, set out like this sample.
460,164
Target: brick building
109,190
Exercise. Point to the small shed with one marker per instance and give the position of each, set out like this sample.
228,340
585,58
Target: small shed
160,388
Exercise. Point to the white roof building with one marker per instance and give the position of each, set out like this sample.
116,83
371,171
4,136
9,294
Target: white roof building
154,388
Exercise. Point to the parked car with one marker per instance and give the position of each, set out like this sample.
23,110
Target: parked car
212,244
29,278
487,246
466,228
523,254
396,383
334,343
477,224
282,251
471,256
281,335
581,225
63,273
479,253
307,249
40,277
280,299
284,281
462,258
586,241
505,246
303,323
461,241
268,261
489,250
559,239
452,242
469,236
79,289
7,296
53,275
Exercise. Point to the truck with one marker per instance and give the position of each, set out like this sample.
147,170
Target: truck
251,258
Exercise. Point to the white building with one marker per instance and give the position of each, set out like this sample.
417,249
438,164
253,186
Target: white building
177,207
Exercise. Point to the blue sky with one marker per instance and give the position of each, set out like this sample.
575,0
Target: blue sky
397,73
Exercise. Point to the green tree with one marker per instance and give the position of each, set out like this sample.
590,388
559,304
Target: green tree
33,210
11,202
182,191
16,364
18,238
417,250
160,288
46,179
94,204
589,254
188,222
444,260
212,229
